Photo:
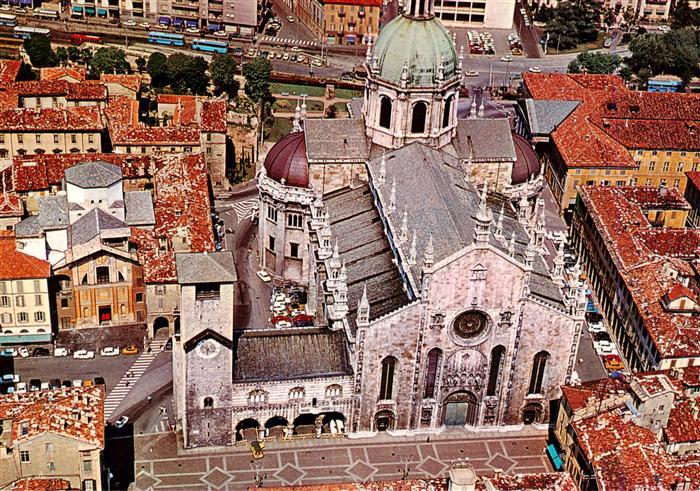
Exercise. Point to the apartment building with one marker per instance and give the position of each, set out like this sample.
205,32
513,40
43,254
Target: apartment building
52,436
590,130
642,265
25,311
351,21
493,14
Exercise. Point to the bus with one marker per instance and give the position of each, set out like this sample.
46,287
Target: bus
46,14
166,38
27,32
8,20
210,46
78,39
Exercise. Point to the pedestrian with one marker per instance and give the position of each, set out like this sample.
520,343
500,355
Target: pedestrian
427,440
127,383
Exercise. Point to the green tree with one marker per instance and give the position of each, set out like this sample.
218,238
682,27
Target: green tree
223,74
187,73
158,69
257,77
684,16
38,48
574,22
595,63
674,53
74,54
25,73
140,64
61,55
109,60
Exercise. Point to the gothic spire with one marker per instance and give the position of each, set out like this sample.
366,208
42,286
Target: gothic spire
363,308
429,254
412,252
499,225
403,237
382,170
483,220
392,197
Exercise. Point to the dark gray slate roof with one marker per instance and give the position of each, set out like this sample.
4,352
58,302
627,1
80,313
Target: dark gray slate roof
355,107
545,116
139,208
53,212
205,267
336,140
95,174
484,140
430,185
89,226
29,227
364,246
289,354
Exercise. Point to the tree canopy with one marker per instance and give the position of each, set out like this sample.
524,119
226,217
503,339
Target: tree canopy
109,60
223,73
574,22
187,73
38,48
675,53
595,63
257,76
157,69
684,16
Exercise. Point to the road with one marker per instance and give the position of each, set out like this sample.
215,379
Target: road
159,465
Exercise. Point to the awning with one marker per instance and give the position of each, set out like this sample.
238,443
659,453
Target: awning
213,26
101,12
77,10
350,37
25,338
25,2
14,2
191,23
178,22
163,20
89,10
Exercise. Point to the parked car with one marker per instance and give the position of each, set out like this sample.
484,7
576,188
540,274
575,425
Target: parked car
506,58
613,362
109,351
55,383
316,63
121,421
99,381
77,383
238,51
23,352
471,73
45,386
192,30
291,19
604,348
608,42
83,354
285,56
224,34
130,350
88,383
9,378
34,384
301,59
66,383
596,327
594,317
8,352
40,352
145,25
60,352
601,336
21,388
264,275
129,23
664,28
534,69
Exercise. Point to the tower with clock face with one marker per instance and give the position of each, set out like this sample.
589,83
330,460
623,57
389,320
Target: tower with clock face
203,347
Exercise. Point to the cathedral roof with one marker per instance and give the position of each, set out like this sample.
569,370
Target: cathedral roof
527,164
421,44
287,160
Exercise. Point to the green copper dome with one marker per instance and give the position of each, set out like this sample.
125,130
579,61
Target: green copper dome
419,42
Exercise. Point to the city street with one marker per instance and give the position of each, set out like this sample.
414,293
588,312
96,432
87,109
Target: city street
159,465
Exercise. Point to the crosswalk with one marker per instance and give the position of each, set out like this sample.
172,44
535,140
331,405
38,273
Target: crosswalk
245,208
127,382
295,42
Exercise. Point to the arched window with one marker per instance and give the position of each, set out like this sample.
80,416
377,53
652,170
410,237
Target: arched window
296,393
208,403
385,112
495,370
334,390
448,110
257,397
386,389
420,109
120,276
84,281
434,358
538,366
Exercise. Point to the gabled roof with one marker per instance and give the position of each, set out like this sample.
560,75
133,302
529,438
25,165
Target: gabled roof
336,140
17,265
139,208
544,116
91,224
94,174
192,343
205,267
485,140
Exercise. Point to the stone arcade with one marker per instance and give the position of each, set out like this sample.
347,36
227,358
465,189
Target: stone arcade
436,302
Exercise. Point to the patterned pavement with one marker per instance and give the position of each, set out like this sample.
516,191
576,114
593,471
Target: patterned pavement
158,465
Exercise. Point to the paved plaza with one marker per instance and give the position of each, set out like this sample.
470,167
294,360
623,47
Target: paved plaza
159,465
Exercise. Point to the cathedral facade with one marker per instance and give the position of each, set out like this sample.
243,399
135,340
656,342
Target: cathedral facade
435,303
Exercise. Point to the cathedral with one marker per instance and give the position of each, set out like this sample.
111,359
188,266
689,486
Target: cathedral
418,240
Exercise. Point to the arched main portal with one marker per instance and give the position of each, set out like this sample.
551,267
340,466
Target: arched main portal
384,420
275,426
305,424
247,429
334,422
460,409
161,324
532,413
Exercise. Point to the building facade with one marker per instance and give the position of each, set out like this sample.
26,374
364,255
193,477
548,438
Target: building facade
493,14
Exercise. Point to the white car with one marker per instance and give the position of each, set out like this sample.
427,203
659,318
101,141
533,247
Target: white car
77,383
5,8
21,388
192,30
604,348
129,23
316,63
285,56
264,275
296,49
83,354
291,19
23,352
471,73
664,29
145,25
301,59
121,421
596,327
221,34
109,351
535,69
60,352
44,386
506,58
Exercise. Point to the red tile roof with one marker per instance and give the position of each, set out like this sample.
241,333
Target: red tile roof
642,254
611,120
132,82
694,178
366,3
41,484
583,395
553,481
85,91
181,202
57,73
214,116
17,265
193,110
10,205
9,70
408,485
683,424
74,412
68,119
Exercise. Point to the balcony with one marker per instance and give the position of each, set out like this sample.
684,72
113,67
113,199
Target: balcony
185,5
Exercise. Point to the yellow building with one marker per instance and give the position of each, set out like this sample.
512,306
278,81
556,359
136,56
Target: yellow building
348,22
590,130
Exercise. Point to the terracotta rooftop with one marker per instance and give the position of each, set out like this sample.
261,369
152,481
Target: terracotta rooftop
181,204
41,484
17,265
74,412
611,120
9,70
644,256
683,424
409,485
10,205
58,72
190,110
131,81
84,91
66,119
583,395
553,481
